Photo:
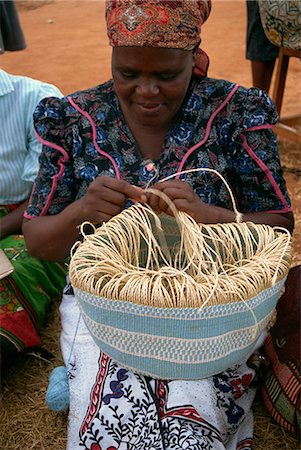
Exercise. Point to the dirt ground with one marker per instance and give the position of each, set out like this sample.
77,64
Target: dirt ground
67,46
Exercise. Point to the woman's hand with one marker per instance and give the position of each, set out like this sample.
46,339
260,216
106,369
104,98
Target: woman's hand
183,197
107,197
51,237
186,200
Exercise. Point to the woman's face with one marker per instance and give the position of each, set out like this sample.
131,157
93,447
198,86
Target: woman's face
151,83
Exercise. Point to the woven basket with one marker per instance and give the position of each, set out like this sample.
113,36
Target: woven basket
176,343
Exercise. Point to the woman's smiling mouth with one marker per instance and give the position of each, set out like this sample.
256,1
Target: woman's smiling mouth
149,107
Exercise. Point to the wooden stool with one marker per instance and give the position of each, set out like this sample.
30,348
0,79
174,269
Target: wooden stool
288,127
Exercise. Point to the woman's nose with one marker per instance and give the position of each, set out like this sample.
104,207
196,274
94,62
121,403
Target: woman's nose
147,87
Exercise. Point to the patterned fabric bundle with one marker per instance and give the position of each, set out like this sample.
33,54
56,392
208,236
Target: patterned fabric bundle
281,22
159,23
25,294
174,299
281,389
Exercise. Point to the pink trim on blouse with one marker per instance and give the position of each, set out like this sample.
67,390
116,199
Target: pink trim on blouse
267,172
259,127
55,179
188,153
101,152
208,128
27,216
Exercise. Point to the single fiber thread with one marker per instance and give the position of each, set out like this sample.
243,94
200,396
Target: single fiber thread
58,394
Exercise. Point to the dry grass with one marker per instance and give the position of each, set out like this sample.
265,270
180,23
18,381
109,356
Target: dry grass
26,423
267,434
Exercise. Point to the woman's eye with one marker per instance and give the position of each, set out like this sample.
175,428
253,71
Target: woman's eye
166,76
128,75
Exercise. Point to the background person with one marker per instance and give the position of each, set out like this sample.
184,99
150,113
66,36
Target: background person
159,106
26,293
11,34
260,50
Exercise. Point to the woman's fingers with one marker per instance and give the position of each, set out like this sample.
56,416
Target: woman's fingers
107,196
175,190
122,186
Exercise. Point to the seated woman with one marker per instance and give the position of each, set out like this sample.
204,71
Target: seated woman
27,291
160,106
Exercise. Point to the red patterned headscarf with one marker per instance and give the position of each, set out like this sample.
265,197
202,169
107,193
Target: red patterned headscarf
159,23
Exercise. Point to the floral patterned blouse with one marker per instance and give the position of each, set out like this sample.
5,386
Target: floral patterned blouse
220,126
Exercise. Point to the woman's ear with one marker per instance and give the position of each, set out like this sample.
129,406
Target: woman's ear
195,51
195,48
193,59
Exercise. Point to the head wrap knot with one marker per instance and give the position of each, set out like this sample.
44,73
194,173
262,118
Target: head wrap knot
158,23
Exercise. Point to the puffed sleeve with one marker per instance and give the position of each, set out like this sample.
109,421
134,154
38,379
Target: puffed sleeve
55,184
257,176
38,92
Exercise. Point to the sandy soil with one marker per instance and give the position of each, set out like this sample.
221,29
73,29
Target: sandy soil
68,46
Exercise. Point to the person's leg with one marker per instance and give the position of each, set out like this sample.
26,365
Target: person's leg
127,410
8,354
259,50
81,356
11,33
214,412
262,72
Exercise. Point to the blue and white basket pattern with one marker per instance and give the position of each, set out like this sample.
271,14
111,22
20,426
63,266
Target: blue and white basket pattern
178,343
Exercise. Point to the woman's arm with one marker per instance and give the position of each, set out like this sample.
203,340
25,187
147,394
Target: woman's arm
215,214
51,237
186,200
12,222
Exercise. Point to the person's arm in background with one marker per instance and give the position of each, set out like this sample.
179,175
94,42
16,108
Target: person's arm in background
12,222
